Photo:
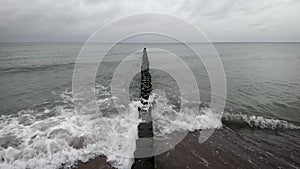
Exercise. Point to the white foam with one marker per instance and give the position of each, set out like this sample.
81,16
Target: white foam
47,138
51,141
260,121
167,120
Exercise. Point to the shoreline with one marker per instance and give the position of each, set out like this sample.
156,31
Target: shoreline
226,148
95,163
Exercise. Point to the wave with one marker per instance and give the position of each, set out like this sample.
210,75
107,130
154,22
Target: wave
166,119
32,68
59,135
48,136
242,121
29,68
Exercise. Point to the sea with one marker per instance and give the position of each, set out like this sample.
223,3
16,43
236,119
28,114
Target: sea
40,126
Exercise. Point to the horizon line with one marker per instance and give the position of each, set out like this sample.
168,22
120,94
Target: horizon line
150,42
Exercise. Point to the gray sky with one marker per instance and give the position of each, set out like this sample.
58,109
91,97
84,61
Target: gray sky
220,20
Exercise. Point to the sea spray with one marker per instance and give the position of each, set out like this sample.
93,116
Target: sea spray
257,121
64,137
47,135
168,120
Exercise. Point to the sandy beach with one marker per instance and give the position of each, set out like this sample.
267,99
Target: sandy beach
227,148
96,163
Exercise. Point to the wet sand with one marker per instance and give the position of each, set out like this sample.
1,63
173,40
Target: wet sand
227,148
192,155
96,163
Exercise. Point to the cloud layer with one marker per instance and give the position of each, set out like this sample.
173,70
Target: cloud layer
221,20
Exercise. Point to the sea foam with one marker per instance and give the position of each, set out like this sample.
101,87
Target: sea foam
50,136
258,121
59,136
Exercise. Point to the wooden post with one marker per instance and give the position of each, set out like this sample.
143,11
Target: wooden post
144,145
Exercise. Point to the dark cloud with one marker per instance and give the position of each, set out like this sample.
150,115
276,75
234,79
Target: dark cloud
221,20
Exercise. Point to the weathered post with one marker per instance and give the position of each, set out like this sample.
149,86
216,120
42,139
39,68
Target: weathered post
144,145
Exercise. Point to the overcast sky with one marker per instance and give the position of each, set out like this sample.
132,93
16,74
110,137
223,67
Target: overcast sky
221,20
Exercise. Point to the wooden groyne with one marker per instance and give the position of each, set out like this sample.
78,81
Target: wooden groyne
144,145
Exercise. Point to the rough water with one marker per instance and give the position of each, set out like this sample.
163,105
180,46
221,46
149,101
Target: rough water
39,127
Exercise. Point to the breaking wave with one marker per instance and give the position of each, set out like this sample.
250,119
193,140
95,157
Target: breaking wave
242,120
51,136
166,119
